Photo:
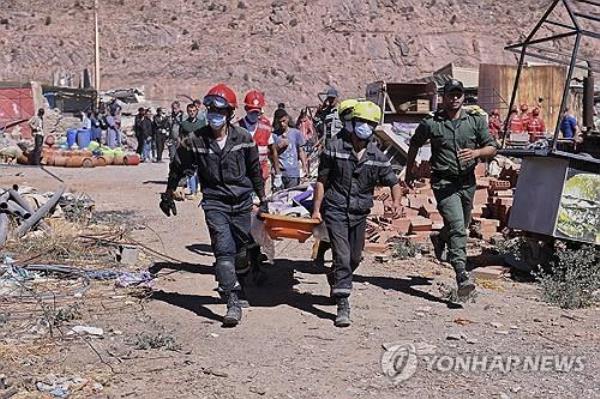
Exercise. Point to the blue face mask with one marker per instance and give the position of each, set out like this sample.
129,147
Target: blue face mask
252,117
216,120
363,131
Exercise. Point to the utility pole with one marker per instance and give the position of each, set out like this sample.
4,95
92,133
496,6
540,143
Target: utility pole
96,49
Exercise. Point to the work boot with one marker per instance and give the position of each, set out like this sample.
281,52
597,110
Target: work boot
343,313
439,247
465,283
234,311
243,298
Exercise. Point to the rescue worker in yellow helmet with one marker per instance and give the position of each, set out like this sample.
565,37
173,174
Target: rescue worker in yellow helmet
350,167
345,114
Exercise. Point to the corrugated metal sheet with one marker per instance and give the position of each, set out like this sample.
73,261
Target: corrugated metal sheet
16,104
546,81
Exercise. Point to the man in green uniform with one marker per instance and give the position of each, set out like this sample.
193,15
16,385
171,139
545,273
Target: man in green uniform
458,138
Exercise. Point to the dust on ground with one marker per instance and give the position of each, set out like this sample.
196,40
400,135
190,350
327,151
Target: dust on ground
169,343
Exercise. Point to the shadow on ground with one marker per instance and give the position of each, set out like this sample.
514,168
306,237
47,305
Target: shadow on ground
279,289
157,182
200,249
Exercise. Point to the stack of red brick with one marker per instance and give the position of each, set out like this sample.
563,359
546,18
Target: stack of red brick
420,217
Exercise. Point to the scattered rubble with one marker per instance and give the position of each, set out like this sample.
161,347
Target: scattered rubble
420,217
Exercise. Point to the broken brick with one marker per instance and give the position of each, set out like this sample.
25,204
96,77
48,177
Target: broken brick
376,248
378,208
420,224
504,201
411,213
427,209
504,193
490,272
499,185
480,170
487,222
481,196
483,182
420,237
401,225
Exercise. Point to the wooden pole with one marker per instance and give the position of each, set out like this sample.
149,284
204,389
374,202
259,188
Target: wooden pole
96,48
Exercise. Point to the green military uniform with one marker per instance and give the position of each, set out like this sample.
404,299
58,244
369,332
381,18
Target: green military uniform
191,125
453,182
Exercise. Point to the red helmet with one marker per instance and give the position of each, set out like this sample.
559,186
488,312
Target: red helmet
254,100
220,96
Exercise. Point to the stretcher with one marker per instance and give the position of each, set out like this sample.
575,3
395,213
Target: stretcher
295,228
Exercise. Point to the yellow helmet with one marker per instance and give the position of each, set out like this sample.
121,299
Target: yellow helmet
368,111
345,108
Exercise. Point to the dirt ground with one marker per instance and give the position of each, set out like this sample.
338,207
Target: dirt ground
286,345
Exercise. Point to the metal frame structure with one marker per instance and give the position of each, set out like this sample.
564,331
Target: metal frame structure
533,48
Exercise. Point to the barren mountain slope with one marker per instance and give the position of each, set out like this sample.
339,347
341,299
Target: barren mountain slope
289,48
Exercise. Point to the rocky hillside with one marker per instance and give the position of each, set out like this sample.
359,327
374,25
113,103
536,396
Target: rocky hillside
289,48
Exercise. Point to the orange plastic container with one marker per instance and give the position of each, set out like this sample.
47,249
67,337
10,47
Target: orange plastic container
289,227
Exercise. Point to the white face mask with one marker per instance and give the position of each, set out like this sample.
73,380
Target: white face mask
363,131
348,126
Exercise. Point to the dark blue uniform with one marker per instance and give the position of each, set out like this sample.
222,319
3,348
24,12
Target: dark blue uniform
228,177
348,200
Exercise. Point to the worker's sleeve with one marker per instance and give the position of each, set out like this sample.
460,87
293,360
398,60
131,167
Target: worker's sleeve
253,169
387,177
182,163
422,134
326,163
484,139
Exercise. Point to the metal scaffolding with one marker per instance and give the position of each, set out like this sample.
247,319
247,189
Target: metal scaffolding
576,28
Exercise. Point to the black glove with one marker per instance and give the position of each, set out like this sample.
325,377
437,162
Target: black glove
263,208
167,205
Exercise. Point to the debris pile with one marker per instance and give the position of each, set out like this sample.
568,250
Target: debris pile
419,217
24,210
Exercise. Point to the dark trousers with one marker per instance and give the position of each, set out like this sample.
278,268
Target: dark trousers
289,182
36,155
347,237
159,140
172,148
140,145
229,235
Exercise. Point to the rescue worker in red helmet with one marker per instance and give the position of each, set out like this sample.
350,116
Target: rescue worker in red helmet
525,116
228,167
495,124
536,126
515,123
261,131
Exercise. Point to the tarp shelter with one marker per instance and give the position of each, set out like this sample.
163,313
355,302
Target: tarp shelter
69,100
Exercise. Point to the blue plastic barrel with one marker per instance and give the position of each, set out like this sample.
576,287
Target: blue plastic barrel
71,137
84,137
